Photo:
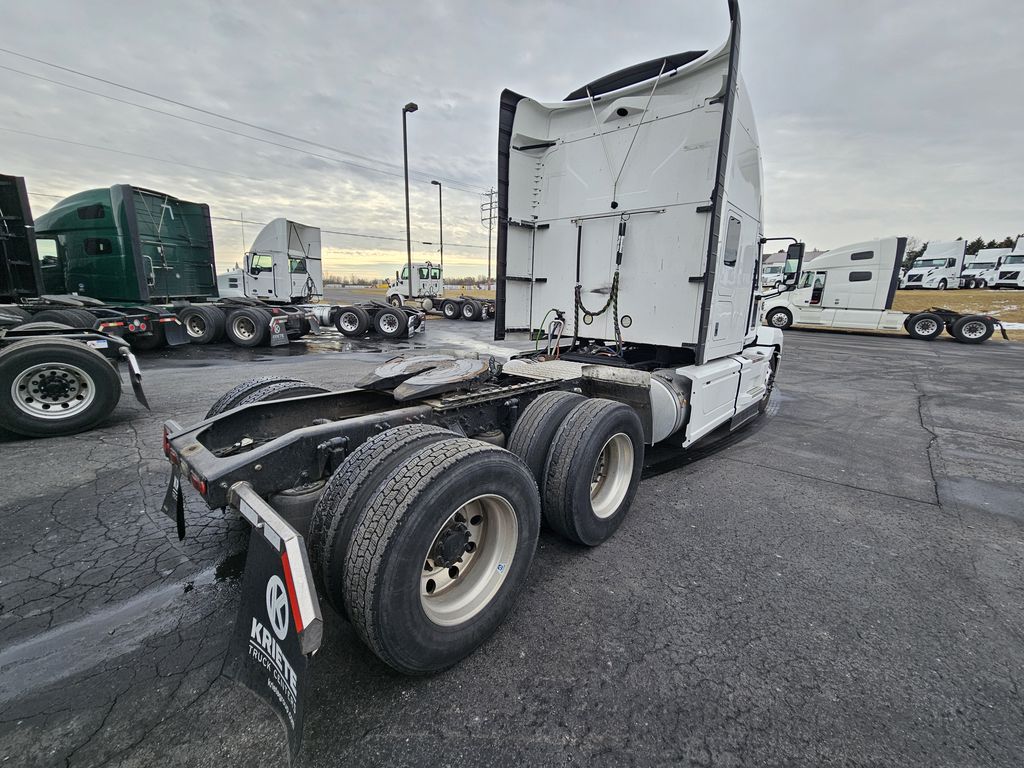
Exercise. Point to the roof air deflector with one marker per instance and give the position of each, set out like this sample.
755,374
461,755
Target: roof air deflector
634,74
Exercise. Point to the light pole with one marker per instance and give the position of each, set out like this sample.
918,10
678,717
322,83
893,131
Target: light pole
410,107
440,228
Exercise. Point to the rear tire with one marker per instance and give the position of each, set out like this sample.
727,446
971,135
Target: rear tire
64,316
352,321
203,325
349,491
248,327
279,391
532,435
82,318
53,386
471,310
451,310
391,323
972,329
924,326
236,394
416,612
593,470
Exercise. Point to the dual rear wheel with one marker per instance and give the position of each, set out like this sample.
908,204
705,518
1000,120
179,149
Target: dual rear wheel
424,538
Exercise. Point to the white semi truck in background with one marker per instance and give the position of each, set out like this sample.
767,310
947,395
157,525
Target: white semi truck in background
853,288
981,270
1011,272
428,293
938,268
420,492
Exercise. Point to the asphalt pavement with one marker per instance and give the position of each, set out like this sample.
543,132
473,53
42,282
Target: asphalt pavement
838,584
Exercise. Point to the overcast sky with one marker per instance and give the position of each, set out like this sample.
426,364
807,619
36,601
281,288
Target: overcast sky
876,118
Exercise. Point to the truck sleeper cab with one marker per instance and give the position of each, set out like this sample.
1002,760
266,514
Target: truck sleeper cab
853,287
420,492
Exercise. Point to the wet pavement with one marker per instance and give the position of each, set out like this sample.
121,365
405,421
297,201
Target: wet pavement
840,584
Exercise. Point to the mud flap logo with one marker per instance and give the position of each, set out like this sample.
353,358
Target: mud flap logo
277,606
265,654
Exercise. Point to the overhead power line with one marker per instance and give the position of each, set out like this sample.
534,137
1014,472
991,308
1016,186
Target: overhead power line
451,182
344,233
130,154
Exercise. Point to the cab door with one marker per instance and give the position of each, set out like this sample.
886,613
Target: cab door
809,302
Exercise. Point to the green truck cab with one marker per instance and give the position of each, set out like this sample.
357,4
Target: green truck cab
126,244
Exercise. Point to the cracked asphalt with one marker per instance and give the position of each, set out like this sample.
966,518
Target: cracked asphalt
840,584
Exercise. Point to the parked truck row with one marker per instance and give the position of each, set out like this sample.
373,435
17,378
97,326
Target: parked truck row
945,266
140,264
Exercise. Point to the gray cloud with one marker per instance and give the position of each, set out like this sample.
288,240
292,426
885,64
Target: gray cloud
875,118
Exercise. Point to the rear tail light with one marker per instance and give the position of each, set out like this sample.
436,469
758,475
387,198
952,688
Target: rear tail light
197,482
110,324
168,451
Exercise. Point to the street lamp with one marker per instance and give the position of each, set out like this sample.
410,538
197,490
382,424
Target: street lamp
410,107
440,225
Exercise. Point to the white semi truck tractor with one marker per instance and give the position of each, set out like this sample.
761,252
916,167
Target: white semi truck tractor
411,503
939,268
1011,271
981,269
853,288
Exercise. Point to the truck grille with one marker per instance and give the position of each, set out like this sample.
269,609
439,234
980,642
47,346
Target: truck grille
1009,275
914,278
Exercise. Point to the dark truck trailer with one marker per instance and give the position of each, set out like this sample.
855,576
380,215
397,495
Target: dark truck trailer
143,251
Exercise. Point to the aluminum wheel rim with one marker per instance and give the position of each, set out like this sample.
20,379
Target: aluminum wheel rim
245,328
779,320
53,391
452,594
349,321
389,323
196,326
974,329
925,327
467,311
612,475
450,310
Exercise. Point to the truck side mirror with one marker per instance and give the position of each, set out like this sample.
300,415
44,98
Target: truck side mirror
794,263
397,279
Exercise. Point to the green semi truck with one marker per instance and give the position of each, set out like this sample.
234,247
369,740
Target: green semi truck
143,251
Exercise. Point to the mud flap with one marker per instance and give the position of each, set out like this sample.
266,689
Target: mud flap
135,376
174,332
174,502
278,331
279,625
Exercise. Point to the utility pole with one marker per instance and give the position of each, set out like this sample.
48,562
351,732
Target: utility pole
410,107
440,228
488,212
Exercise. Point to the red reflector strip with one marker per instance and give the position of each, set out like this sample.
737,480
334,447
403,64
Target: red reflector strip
292,599
111,324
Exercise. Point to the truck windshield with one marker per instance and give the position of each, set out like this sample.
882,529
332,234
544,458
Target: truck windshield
930,263
982,265
1014,260
774,269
